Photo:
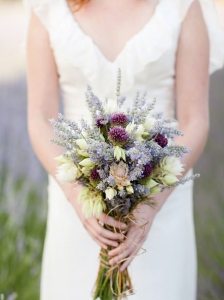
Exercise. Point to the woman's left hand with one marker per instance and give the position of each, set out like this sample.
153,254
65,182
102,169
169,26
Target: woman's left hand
137,233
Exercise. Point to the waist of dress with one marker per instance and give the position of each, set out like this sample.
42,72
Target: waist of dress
75,107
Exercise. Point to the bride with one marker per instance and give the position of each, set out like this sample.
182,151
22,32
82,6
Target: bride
167,47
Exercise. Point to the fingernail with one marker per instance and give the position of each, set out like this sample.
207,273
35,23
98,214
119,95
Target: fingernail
123,226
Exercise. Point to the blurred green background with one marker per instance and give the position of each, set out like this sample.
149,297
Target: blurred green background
23,182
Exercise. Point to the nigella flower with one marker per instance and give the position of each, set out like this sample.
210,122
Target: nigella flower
119,119
118,135
100,122
147,170
161,140
94,175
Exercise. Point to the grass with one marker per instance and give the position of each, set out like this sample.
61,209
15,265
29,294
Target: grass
21,239
209,224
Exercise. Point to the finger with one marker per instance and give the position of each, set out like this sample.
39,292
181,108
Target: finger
107,233
99,237
124,254
126,244
101,244
107,242
118,250
119,257
112,222
127,262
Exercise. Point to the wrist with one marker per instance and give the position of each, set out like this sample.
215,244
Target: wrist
160,199
71,192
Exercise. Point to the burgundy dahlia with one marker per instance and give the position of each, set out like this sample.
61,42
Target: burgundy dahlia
119,119
147,170
94,175
100,122
118,135
161,140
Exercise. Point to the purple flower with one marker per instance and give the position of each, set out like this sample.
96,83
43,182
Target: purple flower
147,170
119,119
118,135
100,122
94,175
161,140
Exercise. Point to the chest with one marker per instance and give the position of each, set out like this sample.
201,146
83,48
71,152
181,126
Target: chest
111,26
147,60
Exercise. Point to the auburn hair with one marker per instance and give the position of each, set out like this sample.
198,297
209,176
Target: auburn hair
77,4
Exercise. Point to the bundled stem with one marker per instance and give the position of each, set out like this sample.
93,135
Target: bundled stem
111,283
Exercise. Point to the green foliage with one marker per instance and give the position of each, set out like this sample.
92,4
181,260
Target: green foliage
21,240
210,244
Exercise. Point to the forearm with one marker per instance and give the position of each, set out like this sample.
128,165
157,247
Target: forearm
40,132
195,137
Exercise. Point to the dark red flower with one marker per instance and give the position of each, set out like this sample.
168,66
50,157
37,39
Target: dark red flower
161,140
119,119
118,135
94,175
147,170
100,122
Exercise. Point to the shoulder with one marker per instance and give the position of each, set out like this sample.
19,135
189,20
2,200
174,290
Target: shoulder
188,8
193,31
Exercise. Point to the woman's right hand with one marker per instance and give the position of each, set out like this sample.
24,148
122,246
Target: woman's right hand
99,234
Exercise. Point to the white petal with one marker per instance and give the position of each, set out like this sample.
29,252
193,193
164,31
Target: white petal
81,143
67,173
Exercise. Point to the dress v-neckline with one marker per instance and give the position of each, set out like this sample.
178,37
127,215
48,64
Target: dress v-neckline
128,42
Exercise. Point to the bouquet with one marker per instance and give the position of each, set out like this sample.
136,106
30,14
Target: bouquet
122,159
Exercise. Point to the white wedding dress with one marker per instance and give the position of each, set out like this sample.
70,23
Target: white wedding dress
168,270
